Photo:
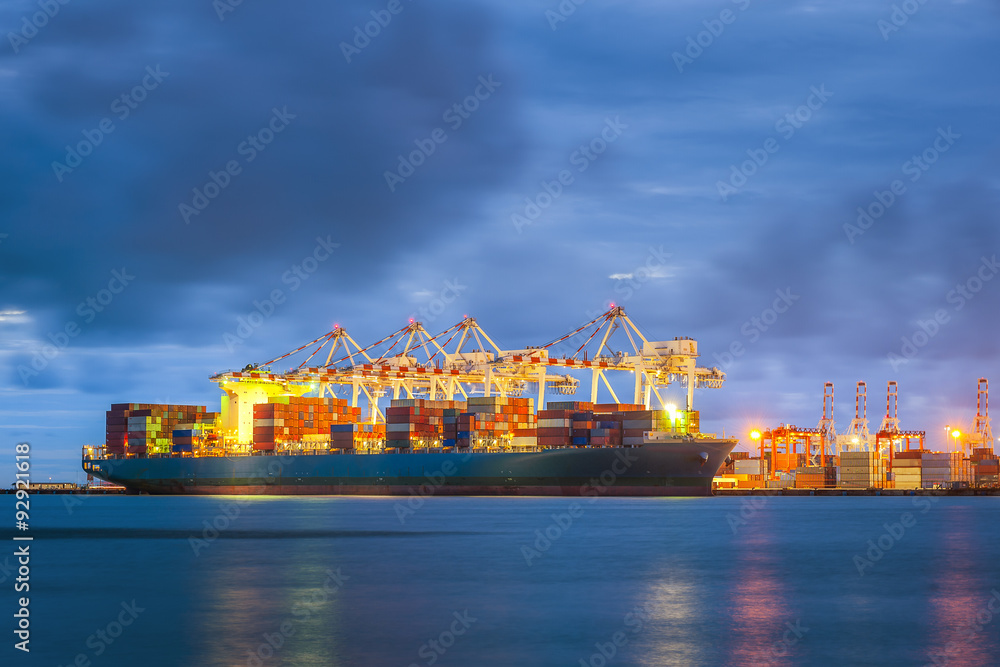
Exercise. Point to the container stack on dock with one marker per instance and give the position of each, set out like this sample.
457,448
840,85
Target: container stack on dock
861,470
815,477
298,419
941,469
906,470
140,429
986,467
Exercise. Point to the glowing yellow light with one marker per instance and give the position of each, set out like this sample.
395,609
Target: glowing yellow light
956,433
755,434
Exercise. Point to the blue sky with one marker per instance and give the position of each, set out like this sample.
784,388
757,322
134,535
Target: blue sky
714,156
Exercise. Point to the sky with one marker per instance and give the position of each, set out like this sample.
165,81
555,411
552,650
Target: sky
169,166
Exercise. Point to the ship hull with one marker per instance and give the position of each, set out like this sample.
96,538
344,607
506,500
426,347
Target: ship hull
681,467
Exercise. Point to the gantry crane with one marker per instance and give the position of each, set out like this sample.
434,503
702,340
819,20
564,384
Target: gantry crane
889,434
410,362
857,437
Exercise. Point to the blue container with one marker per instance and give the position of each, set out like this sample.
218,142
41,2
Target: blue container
180,448
343,428
184,433
448,442
581,441
464,435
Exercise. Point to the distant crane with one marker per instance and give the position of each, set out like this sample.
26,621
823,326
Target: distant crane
857,436
981,430
889,431
828,439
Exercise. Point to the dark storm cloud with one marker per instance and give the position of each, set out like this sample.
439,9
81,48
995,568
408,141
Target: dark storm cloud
322,175
654,190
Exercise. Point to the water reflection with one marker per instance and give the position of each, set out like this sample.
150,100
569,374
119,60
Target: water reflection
268,603
757,599
960,616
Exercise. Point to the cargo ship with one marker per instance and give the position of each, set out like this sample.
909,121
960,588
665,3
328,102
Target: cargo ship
271,438
659,467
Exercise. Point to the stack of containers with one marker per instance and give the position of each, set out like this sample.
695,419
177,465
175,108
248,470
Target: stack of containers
556,423
342,436
906,470
986,467
422,423
489,419
942,468
583,424
607,428
349,436
406,425
750,467
117,429
789,461
813,477
449,426
466,429
145,433
199,436
139,429
861,470
749,473
298,419
785,481
636,423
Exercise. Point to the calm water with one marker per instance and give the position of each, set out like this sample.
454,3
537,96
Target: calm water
342,581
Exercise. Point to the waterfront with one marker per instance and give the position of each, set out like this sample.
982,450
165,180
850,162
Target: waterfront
501,581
